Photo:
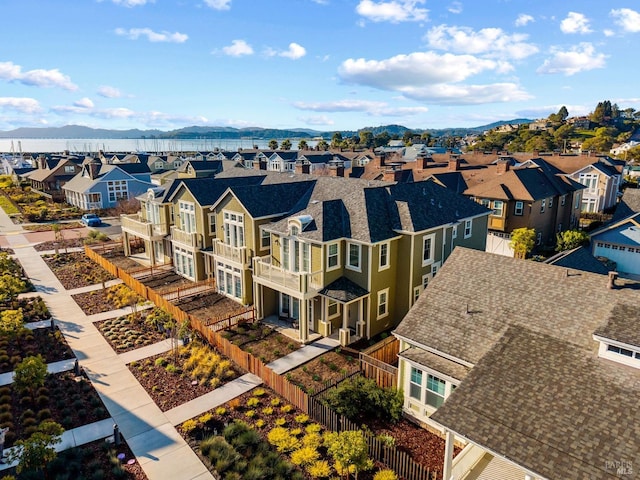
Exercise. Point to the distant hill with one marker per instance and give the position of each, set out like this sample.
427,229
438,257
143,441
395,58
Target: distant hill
218,132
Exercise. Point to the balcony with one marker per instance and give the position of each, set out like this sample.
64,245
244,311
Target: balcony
277,277
143,228
193,240
234,254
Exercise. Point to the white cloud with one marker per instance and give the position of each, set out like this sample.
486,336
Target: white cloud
294,52
626,18
492,42
394,11
575,23
132,3
218,4
414,69
135,33
371,107
455,7
608,33
84,103
461,94
109,92
578,58
523,19
20,104
321,2
38,77
238,48
319,120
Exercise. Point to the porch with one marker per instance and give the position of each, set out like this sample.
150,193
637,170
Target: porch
289,328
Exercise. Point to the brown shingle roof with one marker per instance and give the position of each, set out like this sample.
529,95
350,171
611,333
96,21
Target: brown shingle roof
436,362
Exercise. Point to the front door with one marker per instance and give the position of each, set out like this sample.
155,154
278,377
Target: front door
289,307
353,314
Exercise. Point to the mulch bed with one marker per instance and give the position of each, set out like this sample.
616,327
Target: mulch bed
261,341
165,281
47,227
65,399
169,390
314,375
33,308
75,270
208,305
95,301
62,245
133,333
51,345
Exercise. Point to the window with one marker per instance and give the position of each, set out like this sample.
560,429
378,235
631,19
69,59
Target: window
333,256
183,260
519,208
542,205
498,206
563,200
117,190
212,224
383,300
265,239
384,256
415,384
590,180
332,308
550,202
434,269
187,216
425,281
454,231
539,238
485,203
234,229
416,293
467,228
620,351
428,249
158,165
229,280
353,261
69,169
435,391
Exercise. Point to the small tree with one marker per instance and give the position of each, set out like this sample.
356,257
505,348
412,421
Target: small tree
123,296
10,287
571,239
303,145
30,374
34,453
522,241
273,144
349,449
322,145
11,324
286,144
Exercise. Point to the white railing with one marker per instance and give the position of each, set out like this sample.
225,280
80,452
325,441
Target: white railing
136,224
300,282
235,254
190,239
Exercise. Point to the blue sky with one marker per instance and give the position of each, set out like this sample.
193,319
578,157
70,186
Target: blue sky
321,64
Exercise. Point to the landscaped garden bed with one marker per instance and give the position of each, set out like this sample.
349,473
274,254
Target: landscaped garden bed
320,372
75,270
50,344
135,330
180,375
63,244
107,299
33,308
165,281
68,400
261,341
208,305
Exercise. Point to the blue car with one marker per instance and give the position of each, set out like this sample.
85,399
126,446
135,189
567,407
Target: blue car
91,220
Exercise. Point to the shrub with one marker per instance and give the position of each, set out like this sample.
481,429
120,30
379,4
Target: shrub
296,432
286,408
313,428
171,368
260,423
205,418
259,392
280,422
302,418
221,411
305,456
253,402
385,475
312,440
319,469
267,411
282,439
275,402
189,425
250,414
161,362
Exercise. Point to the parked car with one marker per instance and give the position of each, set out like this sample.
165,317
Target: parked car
91,220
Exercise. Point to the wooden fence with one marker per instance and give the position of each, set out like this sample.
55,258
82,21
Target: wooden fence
144,272
377,362
175,295
244,315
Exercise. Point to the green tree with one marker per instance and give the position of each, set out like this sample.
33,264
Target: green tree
34,453
522,241
336,140
122,296
302,145
381,139
30,374
273,144
286,144
11,324
349,448
597,144
9,265
366,139
571,239
540,143
322,145
562,135
563,113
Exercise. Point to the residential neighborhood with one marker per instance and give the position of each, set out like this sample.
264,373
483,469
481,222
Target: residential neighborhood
400,262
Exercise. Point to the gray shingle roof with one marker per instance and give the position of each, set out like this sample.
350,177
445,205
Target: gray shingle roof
618,327
270,199
343,290
579,258
628,206
207,191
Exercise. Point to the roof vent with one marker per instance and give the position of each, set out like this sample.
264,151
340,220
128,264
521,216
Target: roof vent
611,284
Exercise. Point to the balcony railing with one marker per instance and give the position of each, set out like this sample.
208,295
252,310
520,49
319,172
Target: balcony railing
190,239
136,224
235,254
298,281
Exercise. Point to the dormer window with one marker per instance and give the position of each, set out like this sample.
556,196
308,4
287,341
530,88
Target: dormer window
619,352
295,231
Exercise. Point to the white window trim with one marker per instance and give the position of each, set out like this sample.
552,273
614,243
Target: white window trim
355,268
379,315
212,223
450,385
432,250
468,223
416,294
386,265
329,256
563,200
263,235
518,211
543,204
330,303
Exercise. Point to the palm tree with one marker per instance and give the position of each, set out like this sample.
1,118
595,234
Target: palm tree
273,144
302,145
286,144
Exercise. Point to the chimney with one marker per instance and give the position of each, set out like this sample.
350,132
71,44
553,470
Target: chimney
454,163
94,169
392,174
303,167
422,162
611,284
336,170
41,162
258,164
379,159
502,166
